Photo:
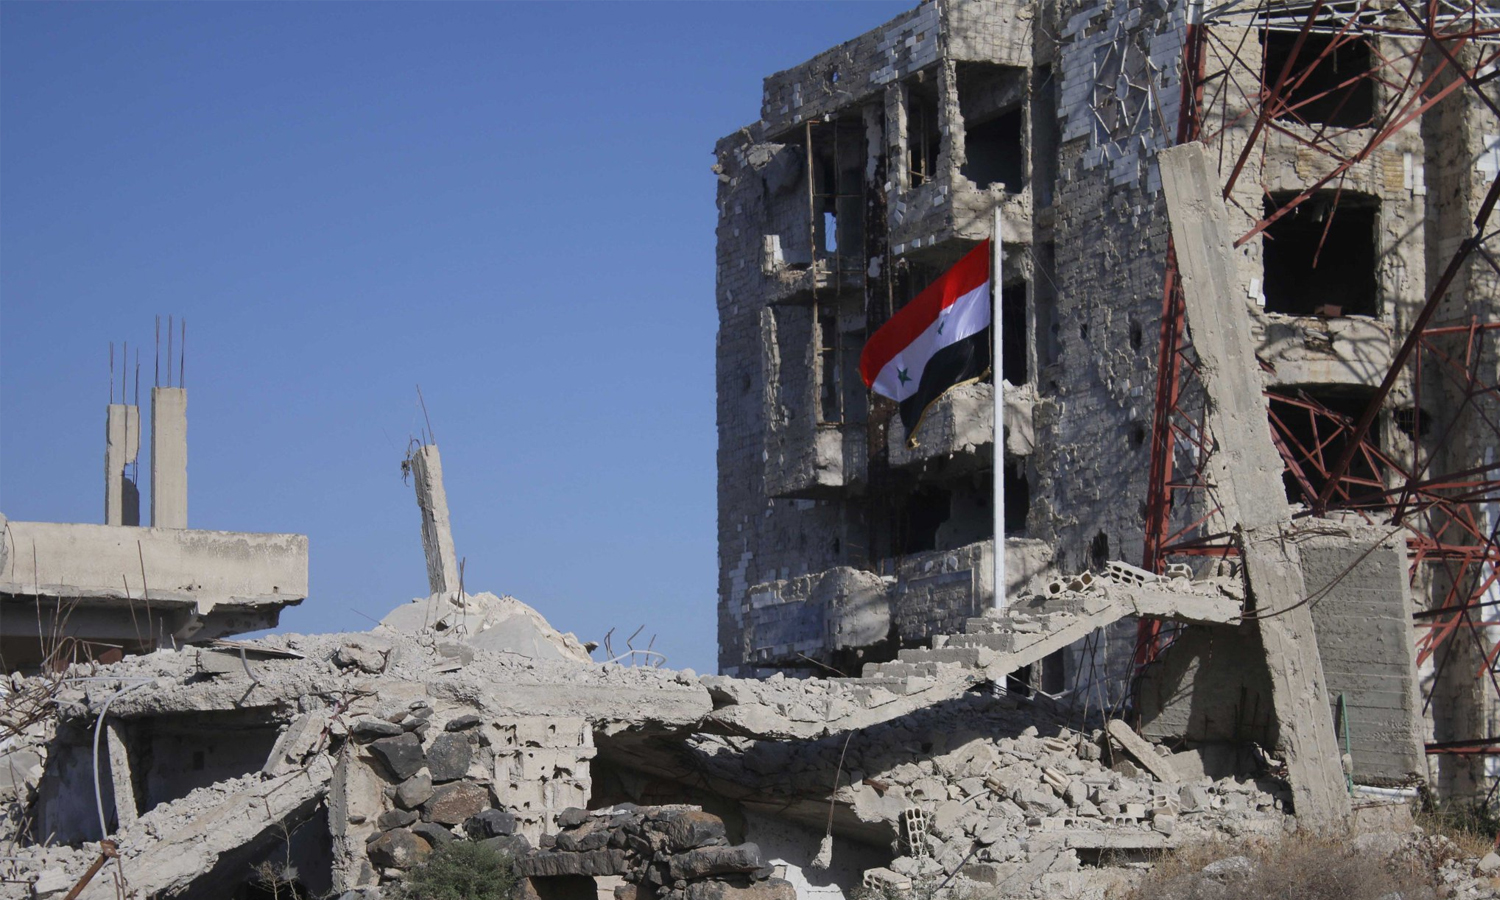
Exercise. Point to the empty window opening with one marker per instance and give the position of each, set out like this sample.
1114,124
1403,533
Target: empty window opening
1017,498
1014,345
1137,337
970,515
1320,256
1046,136
924,132
836,151
1054,672
1316,441
925,509
1044,299
990,99
1329,83
1137,435
830,373
993,152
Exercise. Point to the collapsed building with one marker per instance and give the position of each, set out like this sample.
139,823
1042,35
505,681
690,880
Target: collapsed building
77,591
886,716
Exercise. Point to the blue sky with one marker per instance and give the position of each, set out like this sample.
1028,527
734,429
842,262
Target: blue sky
510,204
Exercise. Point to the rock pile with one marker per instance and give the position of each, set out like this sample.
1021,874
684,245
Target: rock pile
662,852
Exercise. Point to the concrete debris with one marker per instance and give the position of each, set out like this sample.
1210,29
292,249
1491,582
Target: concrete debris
391,763
485,621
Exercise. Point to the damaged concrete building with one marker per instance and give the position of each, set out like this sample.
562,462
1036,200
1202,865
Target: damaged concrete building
77,591
1219,288
877,164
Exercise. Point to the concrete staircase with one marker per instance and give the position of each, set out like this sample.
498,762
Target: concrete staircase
991,647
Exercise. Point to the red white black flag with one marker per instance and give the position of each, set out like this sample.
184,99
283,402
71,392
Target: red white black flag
938,341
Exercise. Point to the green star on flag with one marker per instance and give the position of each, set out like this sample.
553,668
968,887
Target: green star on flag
901,374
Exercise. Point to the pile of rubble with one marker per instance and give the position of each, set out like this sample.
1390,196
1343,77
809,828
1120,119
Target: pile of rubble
350,757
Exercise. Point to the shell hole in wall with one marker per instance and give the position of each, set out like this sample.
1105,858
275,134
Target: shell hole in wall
1412,421
1099,551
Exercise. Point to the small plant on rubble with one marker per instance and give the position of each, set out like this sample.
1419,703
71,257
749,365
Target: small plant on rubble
462,870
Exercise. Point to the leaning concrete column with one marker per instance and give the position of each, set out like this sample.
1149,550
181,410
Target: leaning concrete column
169,457
122,443
437,533
1246,472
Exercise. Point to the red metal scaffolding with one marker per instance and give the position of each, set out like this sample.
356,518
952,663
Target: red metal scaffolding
1419,55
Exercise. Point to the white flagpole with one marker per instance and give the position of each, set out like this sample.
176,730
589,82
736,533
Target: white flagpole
997,256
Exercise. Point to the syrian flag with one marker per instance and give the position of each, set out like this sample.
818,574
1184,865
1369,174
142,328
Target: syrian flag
938,341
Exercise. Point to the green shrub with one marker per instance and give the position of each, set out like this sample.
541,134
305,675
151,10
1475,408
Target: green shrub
462,870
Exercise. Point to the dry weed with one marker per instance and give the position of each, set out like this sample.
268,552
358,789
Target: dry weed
1294,867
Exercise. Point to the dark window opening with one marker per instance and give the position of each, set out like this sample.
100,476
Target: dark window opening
1013,342
1019,681
837,151
924,133
993,152
1137,435
1046,136
1099,551
1054,672
830,373
1320,256
1017,498
1137,337
1044,297
1325,86
925,509
1316,442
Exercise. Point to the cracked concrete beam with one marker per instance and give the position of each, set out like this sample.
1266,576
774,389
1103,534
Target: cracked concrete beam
189,855
1246,471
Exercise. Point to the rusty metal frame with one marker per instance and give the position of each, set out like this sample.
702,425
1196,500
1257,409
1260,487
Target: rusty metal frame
1438,512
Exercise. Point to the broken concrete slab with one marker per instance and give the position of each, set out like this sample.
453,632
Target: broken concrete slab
1143,750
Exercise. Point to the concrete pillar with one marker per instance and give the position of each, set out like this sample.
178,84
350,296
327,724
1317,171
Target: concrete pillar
119,773
169,458
437,533
1246,472
122,444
